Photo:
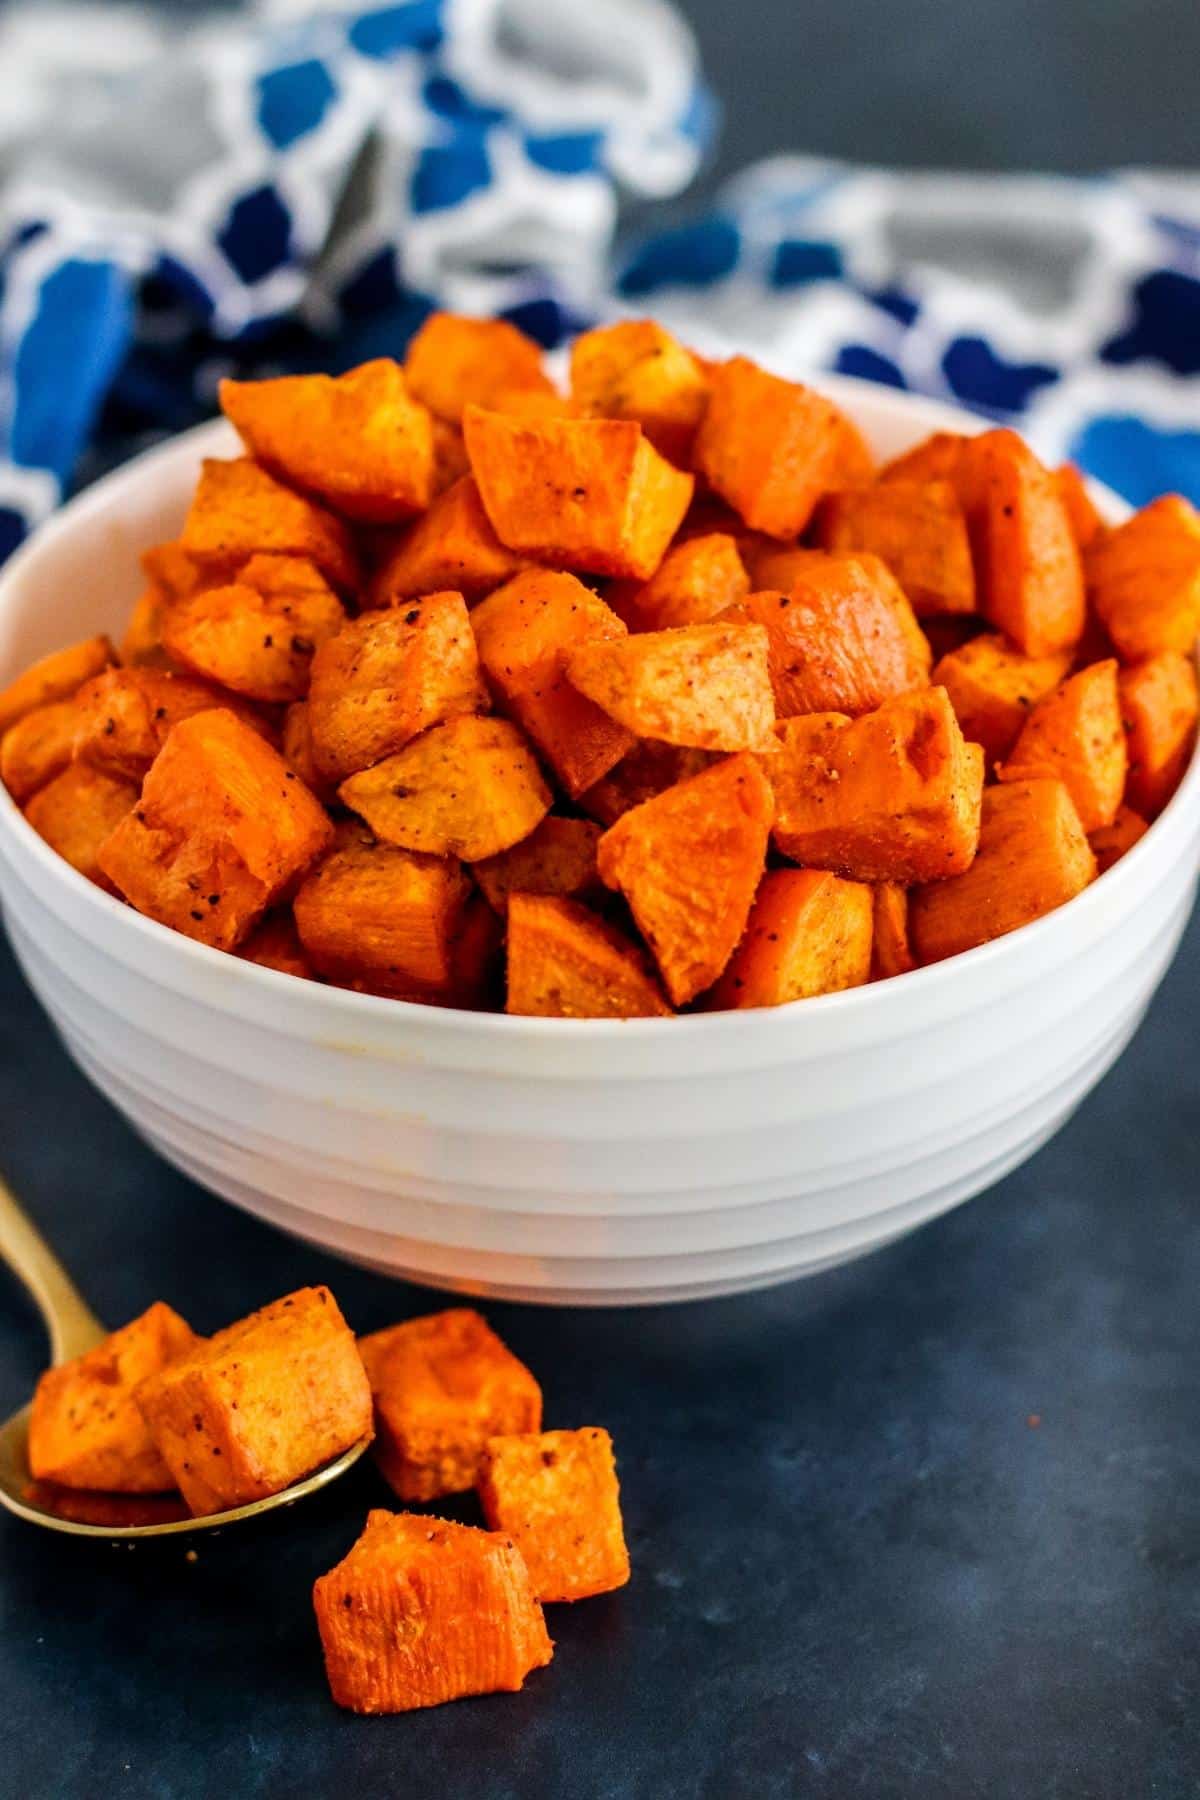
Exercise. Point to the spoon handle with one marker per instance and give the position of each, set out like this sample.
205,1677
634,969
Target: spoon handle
73,1328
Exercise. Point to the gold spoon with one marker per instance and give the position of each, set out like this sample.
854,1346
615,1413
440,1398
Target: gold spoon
74,1329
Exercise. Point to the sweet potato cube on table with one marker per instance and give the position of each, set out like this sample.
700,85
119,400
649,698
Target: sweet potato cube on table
239,510
526,631
590,494
558,857
891,949
388,676
809,933
893,796
470,788
707,687
454,362
85,1428
1144,580
260,1405
78,812
1158,705
555,1494
689,862
452,546
1027,562
1110,843
222,829
1033,856
1076,734
55,677
918,529
443,1385
1081,509
258,635
359,441
993,687
565,963
385,921
422,1611
37,748
697,579
648,769
275,944
637,370
124,717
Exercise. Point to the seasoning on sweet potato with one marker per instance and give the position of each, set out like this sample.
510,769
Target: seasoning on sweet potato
558,857
388,676
85,1428
809,933
688,862
1027,562
454,362
936,458
222,829
443,1384
769,446
917,528
1033,856
257,636
452,546
239,510
590,494
422,1611
697,579
77,812
893,796
384,921
637,370
1075,733
358,441
891,951
1110,843
37,748
1144,580
525,632
648,769
993,686
565,963
142,643
261,1404
55,677
1158,706
275,944
124,716
470,787
1086,522
555,1494
707,687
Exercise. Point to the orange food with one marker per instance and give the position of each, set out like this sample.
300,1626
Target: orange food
636,370
555,1495
1158,703
891,950
454,362
77,813
1144,580
558,857
296,745
809,933
450,459
936,458
648,769
142,643
37,748
239,510
707,687
1075,733
993,687
55,677
258,635
124,717
443,1385
275,944
452,546
1086,522
918,529
1026,559
1110,843
696,580
422,1611
565,963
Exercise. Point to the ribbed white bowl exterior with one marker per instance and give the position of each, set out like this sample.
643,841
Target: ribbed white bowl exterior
551,1160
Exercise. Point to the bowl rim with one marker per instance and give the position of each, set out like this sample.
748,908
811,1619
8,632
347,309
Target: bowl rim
216,436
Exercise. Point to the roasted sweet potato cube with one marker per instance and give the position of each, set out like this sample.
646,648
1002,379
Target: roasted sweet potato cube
558,857
77,812
950,631
707,687
1158,706
37,748
388,676
422,1611
893,796
891,950
450,459
769,446
142,643
637,370
689,862
936,458
1027,562
565,963
555,1494
455,362
993,686
298,754
525,632
697,579
452,546
239,510
1110,843
1076,734
258,635
648,769
918,529
262,1404
275,944
468,788
385,921
55,677
443,1385
809,933
1144,580
591,494
359,441
85,1428
1033,856
222,830
175,573
1086,522
123,717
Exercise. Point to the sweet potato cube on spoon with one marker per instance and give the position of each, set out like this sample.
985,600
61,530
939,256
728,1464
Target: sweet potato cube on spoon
809,933
565,963
555,1494
705,687
1076,734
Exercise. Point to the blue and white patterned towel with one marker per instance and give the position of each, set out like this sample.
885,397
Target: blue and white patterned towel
293,187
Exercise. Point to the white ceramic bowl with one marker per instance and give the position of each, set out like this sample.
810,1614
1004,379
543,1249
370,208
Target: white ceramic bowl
554,1160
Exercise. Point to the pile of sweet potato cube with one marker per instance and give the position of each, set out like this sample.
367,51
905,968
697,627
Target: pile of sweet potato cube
648,695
